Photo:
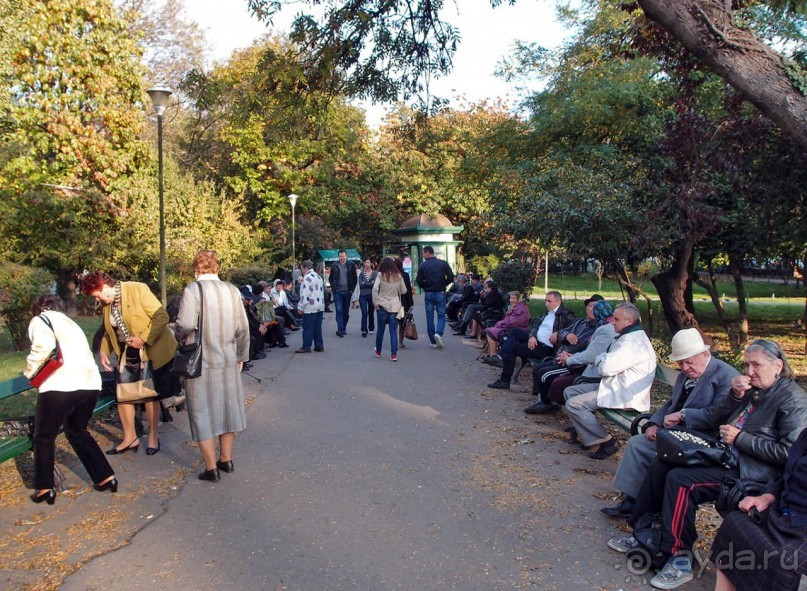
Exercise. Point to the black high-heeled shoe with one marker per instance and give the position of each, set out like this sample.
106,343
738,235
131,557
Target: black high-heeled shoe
49,497
110,485
150,451
134,446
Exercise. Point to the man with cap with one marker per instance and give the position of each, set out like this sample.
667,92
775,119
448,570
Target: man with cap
702,383
573,339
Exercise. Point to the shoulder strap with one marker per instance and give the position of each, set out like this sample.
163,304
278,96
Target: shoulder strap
46,320
198,338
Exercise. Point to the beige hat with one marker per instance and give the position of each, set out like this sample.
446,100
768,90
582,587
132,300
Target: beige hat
687,343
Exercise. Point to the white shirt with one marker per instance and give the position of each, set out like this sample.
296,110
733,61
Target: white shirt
547,328
79,372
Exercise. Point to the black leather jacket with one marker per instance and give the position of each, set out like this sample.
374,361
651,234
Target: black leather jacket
563,318
352,277
779,415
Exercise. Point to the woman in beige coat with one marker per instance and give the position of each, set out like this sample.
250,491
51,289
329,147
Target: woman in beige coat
216,398
387,291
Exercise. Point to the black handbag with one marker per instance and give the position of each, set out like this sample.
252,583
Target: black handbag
679,446
733,490
188,357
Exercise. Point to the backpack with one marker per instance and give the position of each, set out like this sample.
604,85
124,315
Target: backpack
647,531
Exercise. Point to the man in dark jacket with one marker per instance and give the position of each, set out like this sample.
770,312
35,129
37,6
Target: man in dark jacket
343,281
434,275
539,343
466,296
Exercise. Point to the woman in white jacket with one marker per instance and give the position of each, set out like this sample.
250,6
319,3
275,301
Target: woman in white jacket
67,397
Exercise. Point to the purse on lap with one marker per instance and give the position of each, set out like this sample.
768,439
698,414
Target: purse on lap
188,357
679,446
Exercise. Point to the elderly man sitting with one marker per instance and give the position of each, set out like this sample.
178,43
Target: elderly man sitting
627,370
702,383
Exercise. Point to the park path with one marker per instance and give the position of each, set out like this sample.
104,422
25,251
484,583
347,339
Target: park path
356,473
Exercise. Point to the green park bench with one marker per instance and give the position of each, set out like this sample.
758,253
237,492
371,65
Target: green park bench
14,445
632,421
629,420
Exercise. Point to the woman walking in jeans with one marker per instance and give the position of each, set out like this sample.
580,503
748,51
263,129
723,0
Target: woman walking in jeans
387,291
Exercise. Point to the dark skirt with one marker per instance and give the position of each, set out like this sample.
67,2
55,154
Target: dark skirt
770,555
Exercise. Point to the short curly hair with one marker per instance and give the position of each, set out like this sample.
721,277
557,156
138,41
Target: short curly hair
205,262
96,281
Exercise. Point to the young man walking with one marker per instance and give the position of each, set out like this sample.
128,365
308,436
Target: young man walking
434,275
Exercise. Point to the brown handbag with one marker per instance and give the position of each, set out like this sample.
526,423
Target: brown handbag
410,330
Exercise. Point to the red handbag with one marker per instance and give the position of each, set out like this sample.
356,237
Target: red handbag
51,364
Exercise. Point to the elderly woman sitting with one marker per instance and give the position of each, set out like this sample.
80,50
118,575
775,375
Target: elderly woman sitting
764,544
517,316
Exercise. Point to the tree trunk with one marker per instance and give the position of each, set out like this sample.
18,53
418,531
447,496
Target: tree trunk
689,297
706,28
742,302
671,287
626,285
711,289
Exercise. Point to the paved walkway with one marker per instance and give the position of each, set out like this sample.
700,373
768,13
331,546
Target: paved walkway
356,473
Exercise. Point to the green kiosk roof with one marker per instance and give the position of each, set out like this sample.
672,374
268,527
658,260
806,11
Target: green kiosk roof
333,255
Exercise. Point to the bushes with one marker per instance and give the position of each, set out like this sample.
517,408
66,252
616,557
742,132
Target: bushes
19,285
246,275
515,275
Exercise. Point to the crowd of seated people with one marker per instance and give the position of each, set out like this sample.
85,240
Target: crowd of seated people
606,361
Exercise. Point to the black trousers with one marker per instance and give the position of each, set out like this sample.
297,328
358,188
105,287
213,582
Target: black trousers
73,410
675,493
515,345
543,375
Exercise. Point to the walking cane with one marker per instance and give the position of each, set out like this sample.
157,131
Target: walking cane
246,373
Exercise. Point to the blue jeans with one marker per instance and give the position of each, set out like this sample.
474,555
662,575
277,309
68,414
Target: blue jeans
366,304
386,319
435,300
341,300
312,330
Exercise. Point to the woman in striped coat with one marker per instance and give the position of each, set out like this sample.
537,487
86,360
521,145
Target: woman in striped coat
216,398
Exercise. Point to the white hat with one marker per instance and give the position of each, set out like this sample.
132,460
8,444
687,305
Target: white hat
687,343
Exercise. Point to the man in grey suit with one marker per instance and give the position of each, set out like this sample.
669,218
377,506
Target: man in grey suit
702,383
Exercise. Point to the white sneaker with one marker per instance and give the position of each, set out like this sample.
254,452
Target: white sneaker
675,573
623,544
433,345
439,339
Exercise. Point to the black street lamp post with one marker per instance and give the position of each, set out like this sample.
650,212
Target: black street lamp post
159,99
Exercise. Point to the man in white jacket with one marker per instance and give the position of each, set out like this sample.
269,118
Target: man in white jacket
627,370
